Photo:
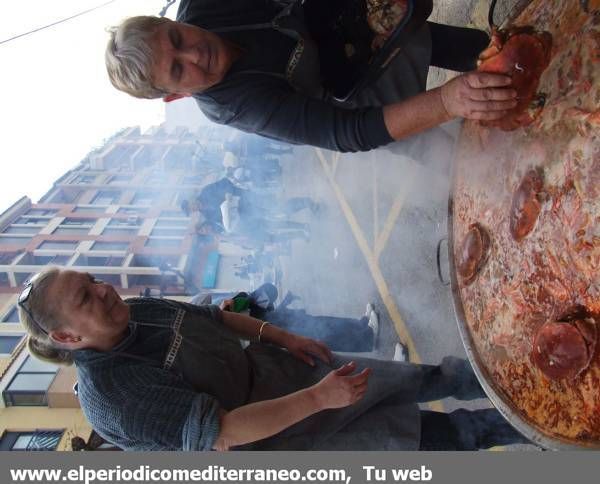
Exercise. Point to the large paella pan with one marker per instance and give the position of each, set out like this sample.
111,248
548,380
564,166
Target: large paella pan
525,240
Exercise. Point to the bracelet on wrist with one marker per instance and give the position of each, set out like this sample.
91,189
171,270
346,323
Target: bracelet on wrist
260,331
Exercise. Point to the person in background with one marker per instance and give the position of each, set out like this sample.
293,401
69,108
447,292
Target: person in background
260,157
204,221
158,374
244,219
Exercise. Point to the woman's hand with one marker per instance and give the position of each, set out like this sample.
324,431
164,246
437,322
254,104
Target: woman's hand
305,348
259,420
340,388
478,95
226,305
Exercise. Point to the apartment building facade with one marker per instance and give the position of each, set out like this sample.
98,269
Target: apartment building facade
116,215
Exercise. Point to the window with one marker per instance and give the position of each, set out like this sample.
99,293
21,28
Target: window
32,221
20,241
110,245
118,157
75,226
105,197
89,209
38,440
87,222
146,280
143,260
74,230
29,387
12,316
181,157
58,245
15,229
121,232
148,155
169,232
108,261
133,210
169,222
144,198
7,258
131,221
65,196
41,260
81,179
9,343
116,179
163,243
42,212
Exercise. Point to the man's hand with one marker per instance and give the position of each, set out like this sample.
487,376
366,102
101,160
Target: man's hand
340,388
478,95
305,348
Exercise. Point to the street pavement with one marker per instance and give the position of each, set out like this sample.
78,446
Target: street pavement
376,237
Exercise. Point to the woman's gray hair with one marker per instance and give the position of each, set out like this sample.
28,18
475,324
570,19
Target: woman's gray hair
44,311
129,59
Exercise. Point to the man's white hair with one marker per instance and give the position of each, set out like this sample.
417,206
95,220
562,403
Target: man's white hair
128,56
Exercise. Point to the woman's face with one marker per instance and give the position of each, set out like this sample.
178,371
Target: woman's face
188,59
92,313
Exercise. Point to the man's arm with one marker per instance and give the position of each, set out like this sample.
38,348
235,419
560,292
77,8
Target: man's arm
476,95
269,107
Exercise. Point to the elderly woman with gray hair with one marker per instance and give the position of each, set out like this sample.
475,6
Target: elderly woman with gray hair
264,69
156,374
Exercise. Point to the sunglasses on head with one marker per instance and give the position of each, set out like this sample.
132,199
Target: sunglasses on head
26,292
24,297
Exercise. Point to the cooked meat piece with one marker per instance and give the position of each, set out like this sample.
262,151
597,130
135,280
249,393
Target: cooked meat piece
473,253
560,351
525,205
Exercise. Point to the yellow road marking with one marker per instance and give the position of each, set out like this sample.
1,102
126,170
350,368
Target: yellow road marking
372,263
382,239
375,202
376,274
335,160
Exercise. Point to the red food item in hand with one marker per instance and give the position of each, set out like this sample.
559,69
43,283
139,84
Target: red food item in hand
523,54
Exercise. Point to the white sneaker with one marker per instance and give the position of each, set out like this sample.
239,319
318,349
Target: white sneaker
374,325
400,353
369,309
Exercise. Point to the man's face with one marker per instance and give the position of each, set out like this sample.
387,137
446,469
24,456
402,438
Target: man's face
188,59
89,309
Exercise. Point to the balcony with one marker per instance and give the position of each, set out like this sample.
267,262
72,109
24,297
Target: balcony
36,440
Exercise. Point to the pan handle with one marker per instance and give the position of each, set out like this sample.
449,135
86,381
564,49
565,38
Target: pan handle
439,262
